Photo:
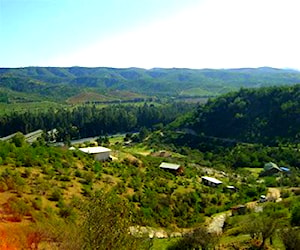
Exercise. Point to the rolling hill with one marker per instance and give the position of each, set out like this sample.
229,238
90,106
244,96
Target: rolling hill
59,84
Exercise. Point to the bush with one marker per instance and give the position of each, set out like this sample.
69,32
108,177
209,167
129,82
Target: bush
86,190
18,208
55,195
295,218
106,220
78,173
37,203
290,238
200,238
3,186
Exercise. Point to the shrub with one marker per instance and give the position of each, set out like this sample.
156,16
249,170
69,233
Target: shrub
55,195
37,203
200,238
295,217
3,186
18,208
86,190
115,218
78,173
290,238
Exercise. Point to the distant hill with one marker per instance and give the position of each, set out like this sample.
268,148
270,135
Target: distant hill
265,115
62,83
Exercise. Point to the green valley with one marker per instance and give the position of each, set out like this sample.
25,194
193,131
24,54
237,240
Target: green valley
220,172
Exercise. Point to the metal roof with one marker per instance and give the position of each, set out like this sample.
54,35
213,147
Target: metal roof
285,169
172,166
211,179
94,150
271,165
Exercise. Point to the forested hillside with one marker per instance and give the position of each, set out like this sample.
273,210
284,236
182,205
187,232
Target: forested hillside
39,83
83,121
266,115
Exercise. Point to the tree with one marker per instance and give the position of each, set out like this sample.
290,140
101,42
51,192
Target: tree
18,139
261,226
106,221
290,238
295,218
143,133
200,238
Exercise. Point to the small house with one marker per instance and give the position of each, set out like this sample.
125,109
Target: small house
210,181
270,168
99,153
231,188
171,167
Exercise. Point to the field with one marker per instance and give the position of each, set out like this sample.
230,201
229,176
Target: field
110,97
28,107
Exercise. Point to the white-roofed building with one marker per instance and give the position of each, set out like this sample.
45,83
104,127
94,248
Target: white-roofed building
171,167
100,153
210,181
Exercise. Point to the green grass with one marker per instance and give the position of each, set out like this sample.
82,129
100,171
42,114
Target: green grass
227,240
162,244
118,138
242,238
196,92
138,149
27,106
254,171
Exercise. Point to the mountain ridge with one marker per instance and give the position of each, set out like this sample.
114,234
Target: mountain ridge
60,83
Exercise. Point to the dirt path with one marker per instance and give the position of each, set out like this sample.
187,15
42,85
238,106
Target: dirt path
273,194
217,223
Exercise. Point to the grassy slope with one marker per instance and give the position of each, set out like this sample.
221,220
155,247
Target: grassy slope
41,181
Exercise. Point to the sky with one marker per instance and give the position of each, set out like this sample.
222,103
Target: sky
150,33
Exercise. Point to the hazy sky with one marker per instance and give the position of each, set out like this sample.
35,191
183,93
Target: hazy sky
150,33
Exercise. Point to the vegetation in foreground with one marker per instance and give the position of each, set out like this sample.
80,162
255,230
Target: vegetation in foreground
56,196
59,195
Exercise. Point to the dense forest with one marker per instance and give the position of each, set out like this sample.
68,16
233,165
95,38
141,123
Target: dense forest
59,84
84,121
265,115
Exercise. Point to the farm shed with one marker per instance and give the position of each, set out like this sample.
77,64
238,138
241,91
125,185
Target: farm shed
171,167
231,188
270,168
100,153
210,181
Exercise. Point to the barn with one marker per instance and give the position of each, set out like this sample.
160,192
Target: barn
210,181
99,153
171,167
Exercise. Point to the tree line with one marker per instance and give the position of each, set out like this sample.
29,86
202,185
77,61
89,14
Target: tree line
84,121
